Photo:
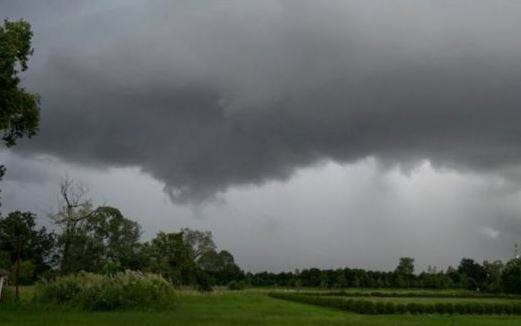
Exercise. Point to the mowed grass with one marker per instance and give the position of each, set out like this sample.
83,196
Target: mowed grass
232,308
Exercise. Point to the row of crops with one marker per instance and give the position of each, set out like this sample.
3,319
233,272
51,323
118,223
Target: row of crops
400,303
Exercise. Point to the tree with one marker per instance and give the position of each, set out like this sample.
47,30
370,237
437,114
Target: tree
220,266
104,241
403,274
511,276
473,274
27,246
19,109
405,266
72,219
200,243
493,272
115,237
170,256
311,277
94,239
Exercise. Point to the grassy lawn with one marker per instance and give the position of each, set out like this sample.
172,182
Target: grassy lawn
233,308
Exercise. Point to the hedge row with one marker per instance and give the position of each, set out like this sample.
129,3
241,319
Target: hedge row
414,295
370,307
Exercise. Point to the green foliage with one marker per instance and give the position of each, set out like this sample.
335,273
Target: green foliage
474,275
416,294
95,240
19,110
7,294
170,256
21,239
27,275
224,308
405,266
511,276
370,307
236,285
125,290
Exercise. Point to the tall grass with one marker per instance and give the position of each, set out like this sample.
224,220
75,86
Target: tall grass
124,290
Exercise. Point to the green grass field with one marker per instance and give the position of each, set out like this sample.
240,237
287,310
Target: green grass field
231,308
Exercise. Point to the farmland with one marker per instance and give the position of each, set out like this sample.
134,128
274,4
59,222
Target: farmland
222,307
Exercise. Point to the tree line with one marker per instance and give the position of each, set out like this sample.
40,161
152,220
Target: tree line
493,277
102,240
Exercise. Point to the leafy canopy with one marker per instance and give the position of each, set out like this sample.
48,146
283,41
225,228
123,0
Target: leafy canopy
19,109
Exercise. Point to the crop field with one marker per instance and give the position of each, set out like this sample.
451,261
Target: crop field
441,300
222,307
378,303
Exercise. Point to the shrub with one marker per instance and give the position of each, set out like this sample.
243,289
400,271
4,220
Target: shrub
401,308
476,308
449,308
390,307
460,308
439,308
488,309
380,307
7,294
428,308
104,292
203,281
499,308
236,285
366,307
412,308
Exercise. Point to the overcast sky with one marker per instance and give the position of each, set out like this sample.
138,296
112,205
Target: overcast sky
301,133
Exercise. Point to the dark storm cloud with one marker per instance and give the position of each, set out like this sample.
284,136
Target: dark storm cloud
205,95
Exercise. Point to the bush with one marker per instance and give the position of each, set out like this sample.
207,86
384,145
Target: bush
391,307
401,308
108,292
236,285
499,308
380,307
203,281
449,308
413,308
7,294
367,307
440,308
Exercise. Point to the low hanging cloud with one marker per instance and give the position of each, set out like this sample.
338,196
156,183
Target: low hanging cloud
206,95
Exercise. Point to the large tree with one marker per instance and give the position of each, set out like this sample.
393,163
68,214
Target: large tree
171,256
200,243
405,266
115,238
404,272
220,266
473,274
94,239
511,276
25,244
72,217
19,109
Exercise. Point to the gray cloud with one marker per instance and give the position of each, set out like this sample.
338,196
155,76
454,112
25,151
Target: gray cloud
212,94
